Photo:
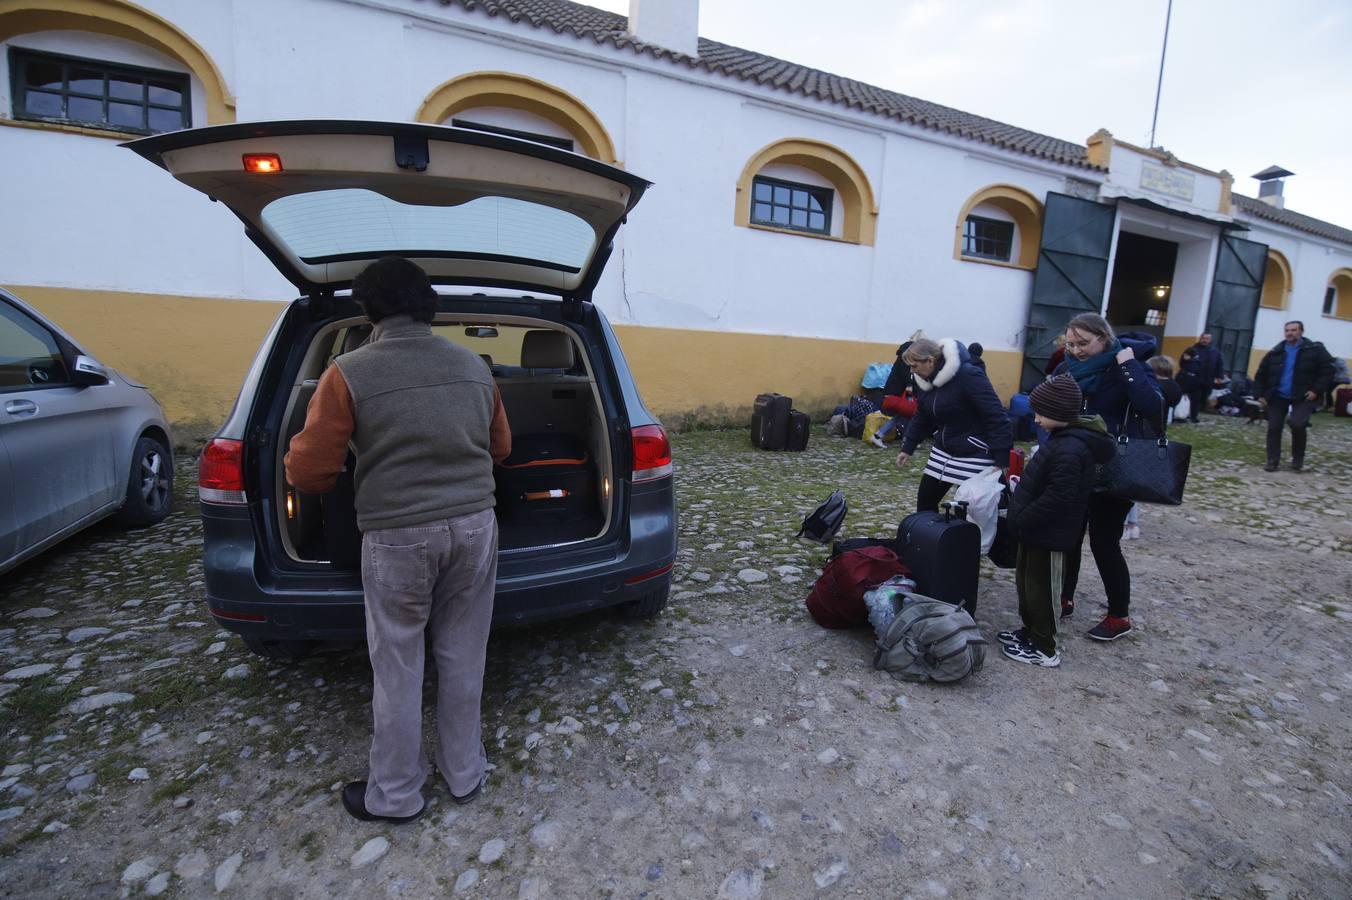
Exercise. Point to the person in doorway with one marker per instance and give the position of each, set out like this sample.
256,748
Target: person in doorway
958,410
427,424
1114,380
1045,513
1289,382
1202,369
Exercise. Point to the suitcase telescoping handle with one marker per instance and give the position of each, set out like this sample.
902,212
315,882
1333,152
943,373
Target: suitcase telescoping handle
953,508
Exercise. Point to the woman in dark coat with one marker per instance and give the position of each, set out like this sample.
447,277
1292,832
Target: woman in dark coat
1117,386
959,411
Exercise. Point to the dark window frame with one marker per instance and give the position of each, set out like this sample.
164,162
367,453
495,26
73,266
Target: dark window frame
549,140
20,58
799,199
977,245
1331,300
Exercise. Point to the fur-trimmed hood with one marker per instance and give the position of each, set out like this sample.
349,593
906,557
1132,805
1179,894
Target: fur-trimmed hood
953,355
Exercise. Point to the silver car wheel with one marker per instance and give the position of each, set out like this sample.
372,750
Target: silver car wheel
155,487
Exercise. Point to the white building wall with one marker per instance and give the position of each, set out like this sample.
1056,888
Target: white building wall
679,263
1313,260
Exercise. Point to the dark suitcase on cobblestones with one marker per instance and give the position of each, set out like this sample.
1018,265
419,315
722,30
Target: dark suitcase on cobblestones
770,421
943,552
800,426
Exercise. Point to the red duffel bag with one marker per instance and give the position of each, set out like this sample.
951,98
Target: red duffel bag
837,599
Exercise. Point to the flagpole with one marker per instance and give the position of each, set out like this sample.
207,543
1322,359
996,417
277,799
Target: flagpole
1159,82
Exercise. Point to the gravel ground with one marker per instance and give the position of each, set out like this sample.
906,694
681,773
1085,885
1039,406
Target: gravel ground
731,748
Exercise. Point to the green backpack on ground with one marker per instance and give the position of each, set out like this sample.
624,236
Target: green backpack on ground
930,640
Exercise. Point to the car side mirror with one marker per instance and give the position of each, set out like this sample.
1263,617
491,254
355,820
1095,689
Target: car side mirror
88,371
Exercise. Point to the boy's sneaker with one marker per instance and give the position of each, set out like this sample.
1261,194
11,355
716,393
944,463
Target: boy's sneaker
1025,652
877,441
1111,628
1067,608
1017,636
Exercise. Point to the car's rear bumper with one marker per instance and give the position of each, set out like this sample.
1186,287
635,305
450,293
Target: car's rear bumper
329,606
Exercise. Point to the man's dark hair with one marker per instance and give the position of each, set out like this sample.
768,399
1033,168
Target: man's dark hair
975,349
1296,322
392,286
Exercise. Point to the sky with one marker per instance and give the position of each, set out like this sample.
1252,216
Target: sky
1246,84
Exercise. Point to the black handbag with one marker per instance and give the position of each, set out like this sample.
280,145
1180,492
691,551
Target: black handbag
1145,469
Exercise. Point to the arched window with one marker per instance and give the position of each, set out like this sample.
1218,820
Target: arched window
1338,295
505,103
1276,281
1000,224
55,90
802,186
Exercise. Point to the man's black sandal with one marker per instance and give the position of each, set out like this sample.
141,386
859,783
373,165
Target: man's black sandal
354,801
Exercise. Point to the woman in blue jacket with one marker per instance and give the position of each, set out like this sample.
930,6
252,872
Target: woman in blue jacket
1117,386
958,409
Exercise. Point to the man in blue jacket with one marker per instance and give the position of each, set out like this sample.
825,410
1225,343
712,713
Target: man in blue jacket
1205,368
1290,380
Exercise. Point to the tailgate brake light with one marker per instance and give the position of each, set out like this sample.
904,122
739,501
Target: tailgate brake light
220,476
652,452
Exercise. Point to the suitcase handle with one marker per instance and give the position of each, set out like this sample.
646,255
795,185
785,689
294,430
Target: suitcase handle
554,494
954,507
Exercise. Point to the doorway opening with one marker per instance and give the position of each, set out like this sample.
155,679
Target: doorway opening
1142,282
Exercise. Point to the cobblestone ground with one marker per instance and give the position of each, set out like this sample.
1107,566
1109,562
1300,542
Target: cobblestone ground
731,748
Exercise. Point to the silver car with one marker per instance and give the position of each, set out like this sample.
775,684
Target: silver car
78,441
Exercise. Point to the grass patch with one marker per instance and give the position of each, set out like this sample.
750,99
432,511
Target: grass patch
37,702
172,692
311,846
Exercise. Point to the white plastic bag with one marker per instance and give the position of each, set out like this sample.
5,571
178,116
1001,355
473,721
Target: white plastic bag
1183,408
982,495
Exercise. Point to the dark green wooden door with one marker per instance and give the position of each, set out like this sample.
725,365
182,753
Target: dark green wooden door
1072,272
1235,293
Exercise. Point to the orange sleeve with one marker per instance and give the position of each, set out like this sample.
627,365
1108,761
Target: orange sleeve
499,431
317,453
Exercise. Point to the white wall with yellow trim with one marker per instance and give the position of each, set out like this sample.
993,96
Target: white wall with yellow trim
711,309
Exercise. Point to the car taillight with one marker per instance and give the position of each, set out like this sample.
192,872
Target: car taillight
220,475
652,452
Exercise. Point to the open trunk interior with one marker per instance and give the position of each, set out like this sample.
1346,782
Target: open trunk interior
555,488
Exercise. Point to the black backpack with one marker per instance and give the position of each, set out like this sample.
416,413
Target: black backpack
823,522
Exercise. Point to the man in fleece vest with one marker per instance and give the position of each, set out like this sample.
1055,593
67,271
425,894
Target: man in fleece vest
426,423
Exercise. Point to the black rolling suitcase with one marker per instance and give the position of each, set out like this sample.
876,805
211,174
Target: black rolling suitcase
547,477
770,421
943,552
800,425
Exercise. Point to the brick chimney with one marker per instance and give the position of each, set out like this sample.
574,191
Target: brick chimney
671,24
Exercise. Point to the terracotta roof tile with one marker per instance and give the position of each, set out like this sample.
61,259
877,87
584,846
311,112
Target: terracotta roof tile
585,22
1260,210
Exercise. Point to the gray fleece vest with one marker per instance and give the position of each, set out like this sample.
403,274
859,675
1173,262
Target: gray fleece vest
423,408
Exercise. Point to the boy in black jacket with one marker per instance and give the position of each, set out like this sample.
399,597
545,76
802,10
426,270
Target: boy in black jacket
1047,513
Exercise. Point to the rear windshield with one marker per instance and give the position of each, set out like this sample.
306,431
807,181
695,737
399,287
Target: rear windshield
330,226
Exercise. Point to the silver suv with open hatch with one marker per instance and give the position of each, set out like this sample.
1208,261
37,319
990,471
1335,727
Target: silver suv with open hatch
515,235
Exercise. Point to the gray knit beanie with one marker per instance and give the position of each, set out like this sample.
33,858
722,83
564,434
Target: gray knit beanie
1057,398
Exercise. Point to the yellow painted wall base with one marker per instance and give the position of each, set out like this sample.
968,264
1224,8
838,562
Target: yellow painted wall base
192,352
706,377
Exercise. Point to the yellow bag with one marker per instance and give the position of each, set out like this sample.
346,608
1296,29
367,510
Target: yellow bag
875,420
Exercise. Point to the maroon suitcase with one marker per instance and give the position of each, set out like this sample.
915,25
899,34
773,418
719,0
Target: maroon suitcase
1342,401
